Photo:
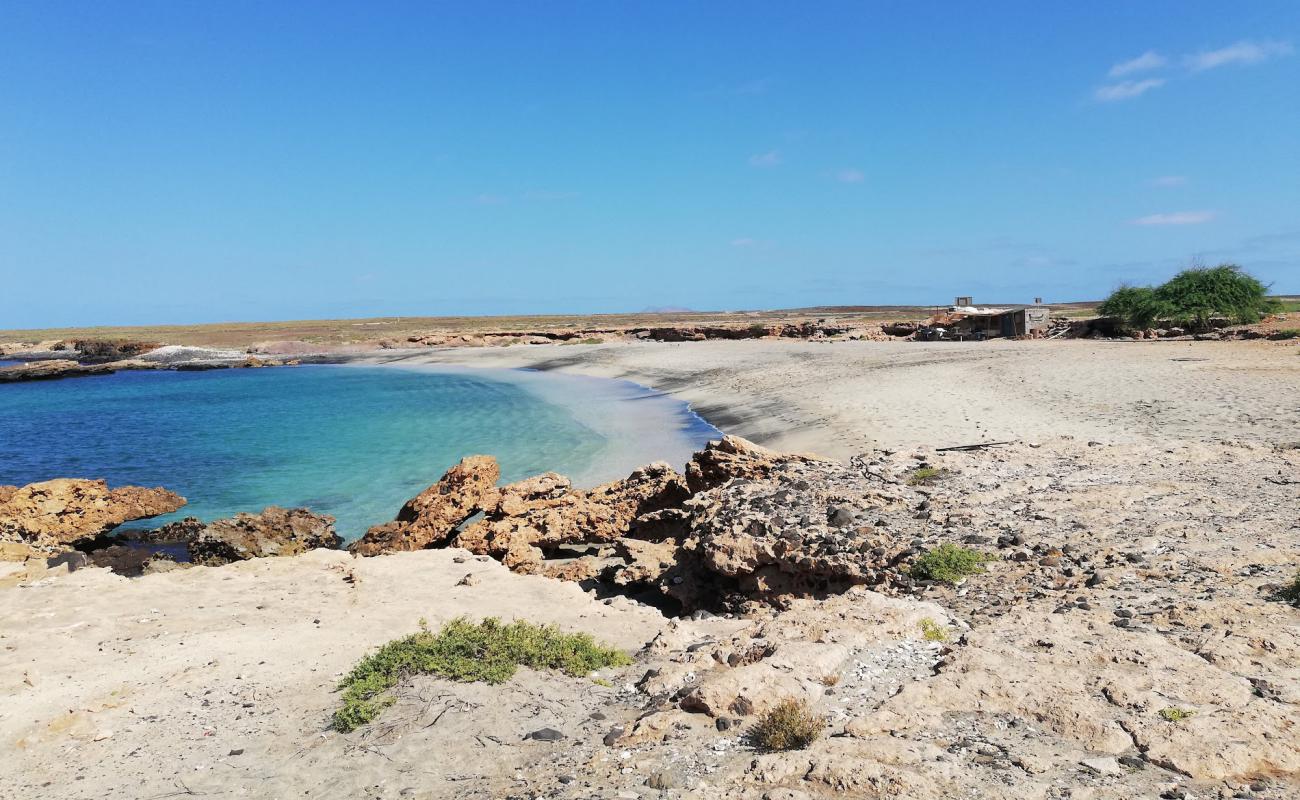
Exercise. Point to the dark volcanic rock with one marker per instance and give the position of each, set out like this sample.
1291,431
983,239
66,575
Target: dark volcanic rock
51,370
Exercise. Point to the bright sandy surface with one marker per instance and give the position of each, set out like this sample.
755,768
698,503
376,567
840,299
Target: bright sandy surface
841,398
134,688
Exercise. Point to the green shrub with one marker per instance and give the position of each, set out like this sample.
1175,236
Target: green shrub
949,563
1192,298
1287,333
464,651
933,631
789,726
1172,714
1135,306
925,475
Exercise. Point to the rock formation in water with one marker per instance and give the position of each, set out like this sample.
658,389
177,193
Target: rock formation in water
274,532
429,518
52,516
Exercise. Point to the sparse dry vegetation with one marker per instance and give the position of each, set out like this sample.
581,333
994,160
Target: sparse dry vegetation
789,726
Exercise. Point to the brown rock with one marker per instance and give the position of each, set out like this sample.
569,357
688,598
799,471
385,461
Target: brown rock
52,515
274,532
543,512
733,457
428,519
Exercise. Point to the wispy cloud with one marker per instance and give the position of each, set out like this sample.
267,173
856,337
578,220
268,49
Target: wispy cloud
1176,218
487,199
1169,181
1243,52
1126,90
744,241
771,158
850,175
1144,63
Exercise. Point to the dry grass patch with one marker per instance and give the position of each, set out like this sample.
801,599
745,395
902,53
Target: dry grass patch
789,726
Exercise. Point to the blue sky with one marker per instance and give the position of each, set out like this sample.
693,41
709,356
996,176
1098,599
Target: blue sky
185,161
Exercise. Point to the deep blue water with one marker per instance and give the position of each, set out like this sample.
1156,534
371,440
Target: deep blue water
354,442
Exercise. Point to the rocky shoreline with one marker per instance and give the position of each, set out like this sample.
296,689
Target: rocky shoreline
1123,636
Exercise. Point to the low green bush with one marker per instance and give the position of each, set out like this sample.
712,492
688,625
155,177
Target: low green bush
949,563
925,475
788,726
465,651
1172,714
933,631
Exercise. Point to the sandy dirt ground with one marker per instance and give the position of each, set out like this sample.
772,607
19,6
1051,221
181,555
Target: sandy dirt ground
219,681
841,398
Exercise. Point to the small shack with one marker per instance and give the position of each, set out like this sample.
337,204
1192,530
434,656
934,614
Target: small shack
968,322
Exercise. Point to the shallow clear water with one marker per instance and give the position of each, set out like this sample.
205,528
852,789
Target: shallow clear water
354,442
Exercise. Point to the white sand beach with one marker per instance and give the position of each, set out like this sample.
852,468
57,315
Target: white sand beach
841,398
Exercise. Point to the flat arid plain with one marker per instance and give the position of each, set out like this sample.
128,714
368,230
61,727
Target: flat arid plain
1127,631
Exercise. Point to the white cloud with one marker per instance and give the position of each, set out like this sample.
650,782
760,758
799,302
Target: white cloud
1169,181
1243,52
744,241
1176,218
1147,61
850,175
1126,90
763,160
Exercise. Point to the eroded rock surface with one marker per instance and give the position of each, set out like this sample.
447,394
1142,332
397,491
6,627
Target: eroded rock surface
51,516
274,532
432,516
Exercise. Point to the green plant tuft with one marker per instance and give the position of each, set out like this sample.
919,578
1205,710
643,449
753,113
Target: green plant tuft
932,631
789,726
925,475
465,651
1172,714
949,563
1287,333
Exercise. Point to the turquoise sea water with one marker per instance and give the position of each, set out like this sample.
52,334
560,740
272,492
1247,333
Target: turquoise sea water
354,442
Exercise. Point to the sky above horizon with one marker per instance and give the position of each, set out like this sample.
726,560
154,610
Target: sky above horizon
175,162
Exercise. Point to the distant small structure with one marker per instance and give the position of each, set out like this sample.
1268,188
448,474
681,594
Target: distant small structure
966,321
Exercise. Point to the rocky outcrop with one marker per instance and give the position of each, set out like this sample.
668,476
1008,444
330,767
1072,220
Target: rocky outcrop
52,516
735,528
540,514
95,351
52,369
274,532
731,458
432,516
